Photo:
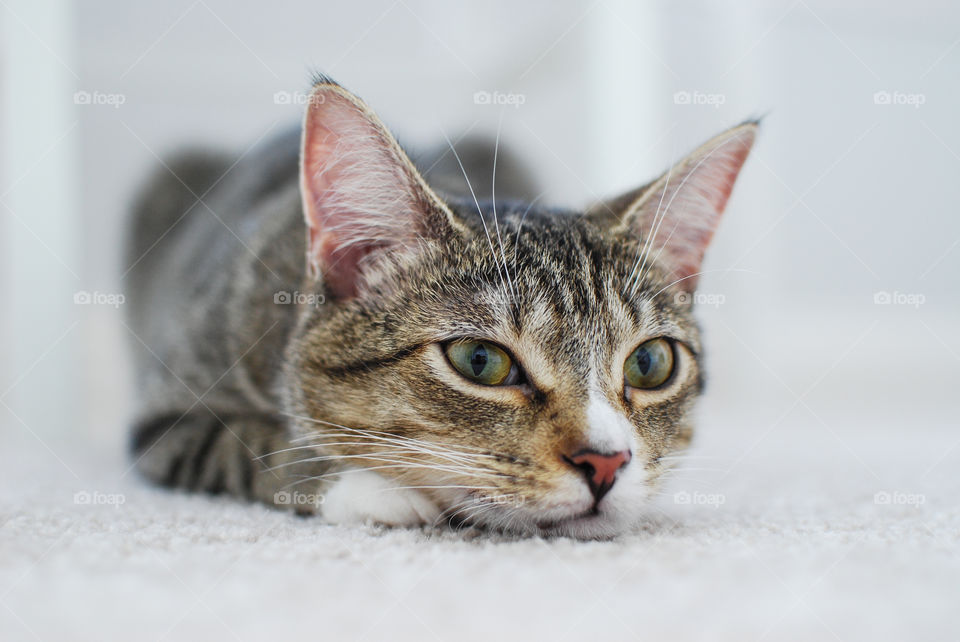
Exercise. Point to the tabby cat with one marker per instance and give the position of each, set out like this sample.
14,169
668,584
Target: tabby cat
437,357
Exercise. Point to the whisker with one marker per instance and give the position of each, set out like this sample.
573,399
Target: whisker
517,235
496,224
677,193
456,506
432,448
473,472
364,431
675,225
469,513
654,226
348,471
472,518
450,455
461,486
283,450
696,274
314,446
479,211
398,449
688,456
389,457
451,512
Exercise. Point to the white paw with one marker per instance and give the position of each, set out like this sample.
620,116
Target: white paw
363,496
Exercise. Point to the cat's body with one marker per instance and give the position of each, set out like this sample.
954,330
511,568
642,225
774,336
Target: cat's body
332,383
207,365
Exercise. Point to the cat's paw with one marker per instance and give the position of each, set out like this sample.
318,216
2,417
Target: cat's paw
363,496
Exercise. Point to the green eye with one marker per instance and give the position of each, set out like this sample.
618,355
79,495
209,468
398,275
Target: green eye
482,361
649,365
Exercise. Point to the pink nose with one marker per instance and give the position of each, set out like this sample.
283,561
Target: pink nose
600,469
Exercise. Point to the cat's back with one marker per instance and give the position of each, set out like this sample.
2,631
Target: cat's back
211,237
197,193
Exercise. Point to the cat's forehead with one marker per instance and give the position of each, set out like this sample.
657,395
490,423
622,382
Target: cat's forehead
554,277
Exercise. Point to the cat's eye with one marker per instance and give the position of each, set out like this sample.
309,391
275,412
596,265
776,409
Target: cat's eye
483,362
650,365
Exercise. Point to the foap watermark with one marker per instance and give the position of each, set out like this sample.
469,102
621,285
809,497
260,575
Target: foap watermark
96,498
699,98
84,97
912,299
898,498
297,98
884,97
113,299
296,498
513,500
298,298
507,98
700,298
685,498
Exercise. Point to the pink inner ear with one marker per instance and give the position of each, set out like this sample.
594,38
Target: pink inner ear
720,175
683,214
341,264
357,194
334,248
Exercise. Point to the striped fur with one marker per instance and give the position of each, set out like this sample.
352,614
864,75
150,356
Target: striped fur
344,392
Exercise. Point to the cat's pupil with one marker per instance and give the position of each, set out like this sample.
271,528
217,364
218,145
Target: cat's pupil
643,361
478,360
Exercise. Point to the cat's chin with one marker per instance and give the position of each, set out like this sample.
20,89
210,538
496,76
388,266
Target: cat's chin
608,521
585,525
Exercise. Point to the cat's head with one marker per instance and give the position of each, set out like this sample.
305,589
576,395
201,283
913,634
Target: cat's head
524,368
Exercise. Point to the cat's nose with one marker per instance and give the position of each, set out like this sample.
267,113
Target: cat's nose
600,469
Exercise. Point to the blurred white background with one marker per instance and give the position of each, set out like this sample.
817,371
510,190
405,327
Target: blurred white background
829,430
850,194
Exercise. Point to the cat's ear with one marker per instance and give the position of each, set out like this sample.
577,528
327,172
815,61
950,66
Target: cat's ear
361,193
680,210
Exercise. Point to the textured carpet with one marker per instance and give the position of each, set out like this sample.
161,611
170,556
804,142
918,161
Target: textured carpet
781,536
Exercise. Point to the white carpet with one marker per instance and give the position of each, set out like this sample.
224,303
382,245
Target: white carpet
798,550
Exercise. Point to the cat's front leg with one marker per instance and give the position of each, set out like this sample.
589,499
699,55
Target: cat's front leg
245,455
363,496
251,456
